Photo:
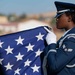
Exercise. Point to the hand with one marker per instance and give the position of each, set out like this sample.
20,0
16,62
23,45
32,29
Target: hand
51,37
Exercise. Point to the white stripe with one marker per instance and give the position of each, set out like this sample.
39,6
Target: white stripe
52,50
70,66
63,10
48,30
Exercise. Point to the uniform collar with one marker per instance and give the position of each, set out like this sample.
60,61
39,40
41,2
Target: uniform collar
66,32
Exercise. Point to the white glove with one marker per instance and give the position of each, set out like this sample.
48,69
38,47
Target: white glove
51,37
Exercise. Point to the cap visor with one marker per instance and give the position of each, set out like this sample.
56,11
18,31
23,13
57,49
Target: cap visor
58,14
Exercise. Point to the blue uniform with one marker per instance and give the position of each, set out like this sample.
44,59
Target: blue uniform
61,56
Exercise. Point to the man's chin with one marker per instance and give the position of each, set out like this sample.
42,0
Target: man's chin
59,28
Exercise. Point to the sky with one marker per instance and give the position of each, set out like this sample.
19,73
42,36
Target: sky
28,6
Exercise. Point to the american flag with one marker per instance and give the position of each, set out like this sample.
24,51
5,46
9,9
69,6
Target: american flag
20,52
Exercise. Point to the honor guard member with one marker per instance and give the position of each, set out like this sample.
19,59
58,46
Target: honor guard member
60,55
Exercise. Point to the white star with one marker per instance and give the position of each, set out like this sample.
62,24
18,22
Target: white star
1,44
39,37
1,61
30,47
38,53
27,63
17,71
25,73
19,57
9,50
8,66
19,40
35,68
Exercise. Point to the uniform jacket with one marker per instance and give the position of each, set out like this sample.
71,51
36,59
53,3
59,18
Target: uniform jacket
61,56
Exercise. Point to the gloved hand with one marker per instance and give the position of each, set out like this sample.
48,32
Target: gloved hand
51,37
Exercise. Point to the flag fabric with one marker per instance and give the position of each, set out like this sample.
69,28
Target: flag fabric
20,52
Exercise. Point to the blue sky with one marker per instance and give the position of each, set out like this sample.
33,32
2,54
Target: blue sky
28,6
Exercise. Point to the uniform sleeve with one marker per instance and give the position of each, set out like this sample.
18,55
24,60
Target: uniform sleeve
59,58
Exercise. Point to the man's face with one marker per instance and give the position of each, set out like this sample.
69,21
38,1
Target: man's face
62,21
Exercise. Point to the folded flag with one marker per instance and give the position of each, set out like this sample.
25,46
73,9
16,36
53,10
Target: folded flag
20,52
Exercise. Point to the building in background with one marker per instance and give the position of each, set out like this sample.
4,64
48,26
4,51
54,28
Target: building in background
20,26
8,28
3,19
23,22
31,24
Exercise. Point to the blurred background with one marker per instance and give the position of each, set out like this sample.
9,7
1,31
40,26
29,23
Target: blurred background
15,15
